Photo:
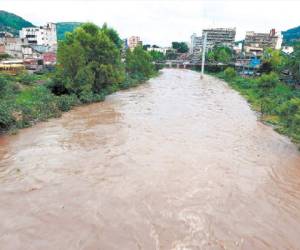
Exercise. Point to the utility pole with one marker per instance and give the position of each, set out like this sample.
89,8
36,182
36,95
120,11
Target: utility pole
203,55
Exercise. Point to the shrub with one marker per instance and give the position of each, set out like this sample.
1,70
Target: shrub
37,103
89,97
26,78
66,102
229,73
6,118
267,81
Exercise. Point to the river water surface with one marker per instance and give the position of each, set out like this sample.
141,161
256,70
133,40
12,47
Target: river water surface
177,163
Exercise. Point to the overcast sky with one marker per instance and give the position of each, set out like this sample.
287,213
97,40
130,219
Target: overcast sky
160,22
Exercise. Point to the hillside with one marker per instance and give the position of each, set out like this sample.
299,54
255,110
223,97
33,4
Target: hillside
12,23
291,35
64,27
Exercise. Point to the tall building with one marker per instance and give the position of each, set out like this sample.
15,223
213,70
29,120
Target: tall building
196,48
196,44
255,43
43,35
134,41
220,37
14,45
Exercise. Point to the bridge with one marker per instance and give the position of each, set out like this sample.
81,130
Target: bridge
184,64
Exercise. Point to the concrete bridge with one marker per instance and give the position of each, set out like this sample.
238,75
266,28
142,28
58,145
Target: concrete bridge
197,65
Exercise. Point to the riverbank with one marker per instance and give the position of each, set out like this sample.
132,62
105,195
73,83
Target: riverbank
277,104
28,99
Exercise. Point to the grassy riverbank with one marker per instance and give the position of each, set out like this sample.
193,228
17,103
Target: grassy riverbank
27,99
277,103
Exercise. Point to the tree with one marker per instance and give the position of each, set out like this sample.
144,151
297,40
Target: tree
157,55
138,63
113,35
88,60
146,46
171,55
181,47
273,60
221,54
294,62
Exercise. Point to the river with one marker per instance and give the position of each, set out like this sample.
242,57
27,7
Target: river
176,163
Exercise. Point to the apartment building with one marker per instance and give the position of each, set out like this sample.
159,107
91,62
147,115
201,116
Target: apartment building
255,43
134,41
43,35
196,44
220,37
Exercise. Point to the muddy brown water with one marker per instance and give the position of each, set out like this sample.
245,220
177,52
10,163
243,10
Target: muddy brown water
177,163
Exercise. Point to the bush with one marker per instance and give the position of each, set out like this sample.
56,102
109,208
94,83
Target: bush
66,102
229,73
267,81
26,78
37,103
89,97
6,118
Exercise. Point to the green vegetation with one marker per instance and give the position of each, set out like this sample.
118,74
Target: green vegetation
23,103
4,56
220,55
278,103
180,47
12,23
275,93
89,67
138,64
157,56
292,35
64,27
293,64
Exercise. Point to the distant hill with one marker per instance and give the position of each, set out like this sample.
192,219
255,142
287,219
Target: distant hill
12,23
64,27
291,35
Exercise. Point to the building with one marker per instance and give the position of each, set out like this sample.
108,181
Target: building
238,47
220,37
287,49
3,36
14,46
196,48
134,41
255,43
196,44
159,49
49,58
43,35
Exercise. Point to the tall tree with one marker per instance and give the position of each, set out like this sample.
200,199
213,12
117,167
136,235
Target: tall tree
139,63
89,59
